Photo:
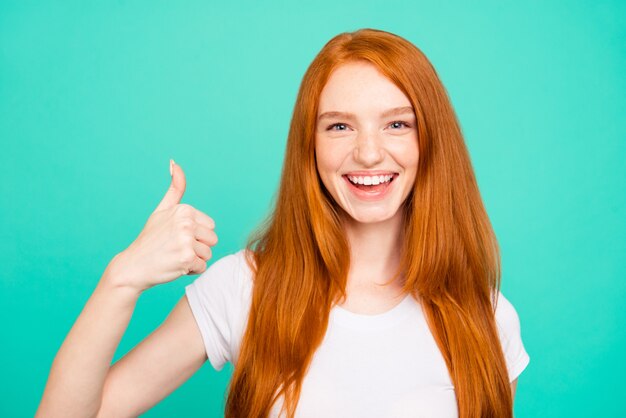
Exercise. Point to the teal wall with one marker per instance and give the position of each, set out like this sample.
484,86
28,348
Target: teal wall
95,99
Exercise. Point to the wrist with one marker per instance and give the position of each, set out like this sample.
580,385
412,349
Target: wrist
117,275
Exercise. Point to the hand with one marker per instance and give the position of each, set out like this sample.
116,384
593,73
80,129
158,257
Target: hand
176,240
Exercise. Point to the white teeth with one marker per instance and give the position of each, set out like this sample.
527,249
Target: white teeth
370,180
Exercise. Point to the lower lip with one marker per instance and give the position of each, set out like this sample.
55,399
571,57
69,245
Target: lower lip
370,196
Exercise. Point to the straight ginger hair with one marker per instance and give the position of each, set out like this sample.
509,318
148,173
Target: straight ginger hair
300,257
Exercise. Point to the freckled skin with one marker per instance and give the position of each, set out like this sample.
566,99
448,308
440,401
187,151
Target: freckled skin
366,142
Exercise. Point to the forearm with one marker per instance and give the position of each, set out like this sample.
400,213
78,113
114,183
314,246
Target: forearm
77,375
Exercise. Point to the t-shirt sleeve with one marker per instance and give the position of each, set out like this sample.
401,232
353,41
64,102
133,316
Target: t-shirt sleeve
217,299
509,330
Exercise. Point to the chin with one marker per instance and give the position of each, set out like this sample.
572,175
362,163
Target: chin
371,217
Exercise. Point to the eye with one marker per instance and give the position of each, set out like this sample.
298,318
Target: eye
339,126
398,124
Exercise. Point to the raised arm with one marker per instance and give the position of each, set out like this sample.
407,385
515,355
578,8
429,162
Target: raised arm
156,367
175,241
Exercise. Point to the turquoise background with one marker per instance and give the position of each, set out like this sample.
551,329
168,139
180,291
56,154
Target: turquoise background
95,99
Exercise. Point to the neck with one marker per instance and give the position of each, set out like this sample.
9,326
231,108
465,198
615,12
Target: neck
374,250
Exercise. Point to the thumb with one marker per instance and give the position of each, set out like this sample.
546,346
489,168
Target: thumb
177,188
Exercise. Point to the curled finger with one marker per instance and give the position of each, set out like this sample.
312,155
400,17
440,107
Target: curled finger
202,250
198,266
205,235
204,219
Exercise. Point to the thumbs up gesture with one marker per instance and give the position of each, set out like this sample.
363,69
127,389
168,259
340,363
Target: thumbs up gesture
176,240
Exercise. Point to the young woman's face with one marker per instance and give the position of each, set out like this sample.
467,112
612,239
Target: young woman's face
366,142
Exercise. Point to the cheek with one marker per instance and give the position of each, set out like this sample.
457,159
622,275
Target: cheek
414,160
327,159
328,169
324,165
410,155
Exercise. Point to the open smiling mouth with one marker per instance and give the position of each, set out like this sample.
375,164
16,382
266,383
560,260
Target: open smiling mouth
375,185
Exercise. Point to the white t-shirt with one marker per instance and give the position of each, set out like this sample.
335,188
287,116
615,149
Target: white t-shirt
368,366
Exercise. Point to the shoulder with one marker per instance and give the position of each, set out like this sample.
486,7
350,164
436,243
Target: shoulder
509,331
220,299
223,291
231,263
506,314
228,274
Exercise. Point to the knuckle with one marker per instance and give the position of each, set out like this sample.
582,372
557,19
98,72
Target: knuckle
186,242
184,209
186,224
187,258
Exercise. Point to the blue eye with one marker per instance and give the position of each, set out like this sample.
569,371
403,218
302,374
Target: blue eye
398,122
330,128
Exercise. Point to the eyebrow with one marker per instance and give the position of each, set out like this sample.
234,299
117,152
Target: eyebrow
396,111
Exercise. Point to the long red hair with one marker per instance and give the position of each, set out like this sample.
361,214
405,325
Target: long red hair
300,256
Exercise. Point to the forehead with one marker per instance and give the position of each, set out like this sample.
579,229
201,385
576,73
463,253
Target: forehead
360,87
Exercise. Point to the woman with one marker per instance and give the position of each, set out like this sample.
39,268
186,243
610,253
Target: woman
372,290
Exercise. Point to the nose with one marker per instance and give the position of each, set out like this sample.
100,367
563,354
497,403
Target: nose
368,150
